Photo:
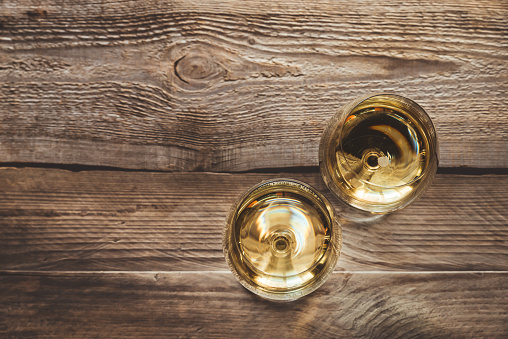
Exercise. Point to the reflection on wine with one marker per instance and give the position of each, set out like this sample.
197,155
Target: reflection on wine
382,147
281,239
380,153
281,236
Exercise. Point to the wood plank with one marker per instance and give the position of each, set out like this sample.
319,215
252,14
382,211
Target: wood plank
112,220
206,85
215,305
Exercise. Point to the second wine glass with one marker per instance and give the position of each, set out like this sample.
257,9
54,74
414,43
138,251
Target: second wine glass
379,152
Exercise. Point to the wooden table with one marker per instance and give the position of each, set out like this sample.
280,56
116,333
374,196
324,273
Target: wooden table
127,129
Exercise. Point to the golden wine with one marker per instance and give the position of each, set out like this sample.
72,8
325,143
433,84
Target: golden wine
380,153
282,240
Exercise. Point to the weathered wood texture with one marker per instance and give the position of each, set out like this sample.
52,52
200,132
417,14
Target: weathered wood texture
62,220
234,86
215,305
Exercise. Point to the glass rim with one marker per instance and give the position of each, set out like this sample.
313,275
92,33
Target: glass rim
308,287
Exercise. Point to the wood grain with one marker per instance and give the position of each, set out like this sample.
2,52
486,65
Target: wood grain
98,220
229,86
215,305
199,85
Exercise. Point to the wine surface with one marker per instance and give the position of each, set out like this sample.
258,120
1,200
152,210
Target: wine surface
381,153
282,239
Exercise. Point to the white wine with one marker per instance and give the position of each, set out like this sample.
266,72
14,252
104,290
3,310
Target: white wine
282,240
381,155
383,148
281,236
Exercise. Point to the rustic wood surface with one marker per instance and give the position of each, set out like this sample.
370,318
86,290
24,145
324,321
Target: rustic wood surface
208,85
112,95
97,220
205,305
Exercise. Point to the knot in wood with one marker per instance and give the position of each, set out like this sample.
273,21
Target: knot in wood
198,68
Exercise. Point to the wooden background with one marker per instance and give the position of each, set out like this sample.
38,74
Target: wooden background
128,128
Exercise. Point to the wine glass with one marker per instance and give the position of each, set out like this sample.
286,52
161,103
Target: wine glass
379,152
281,239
